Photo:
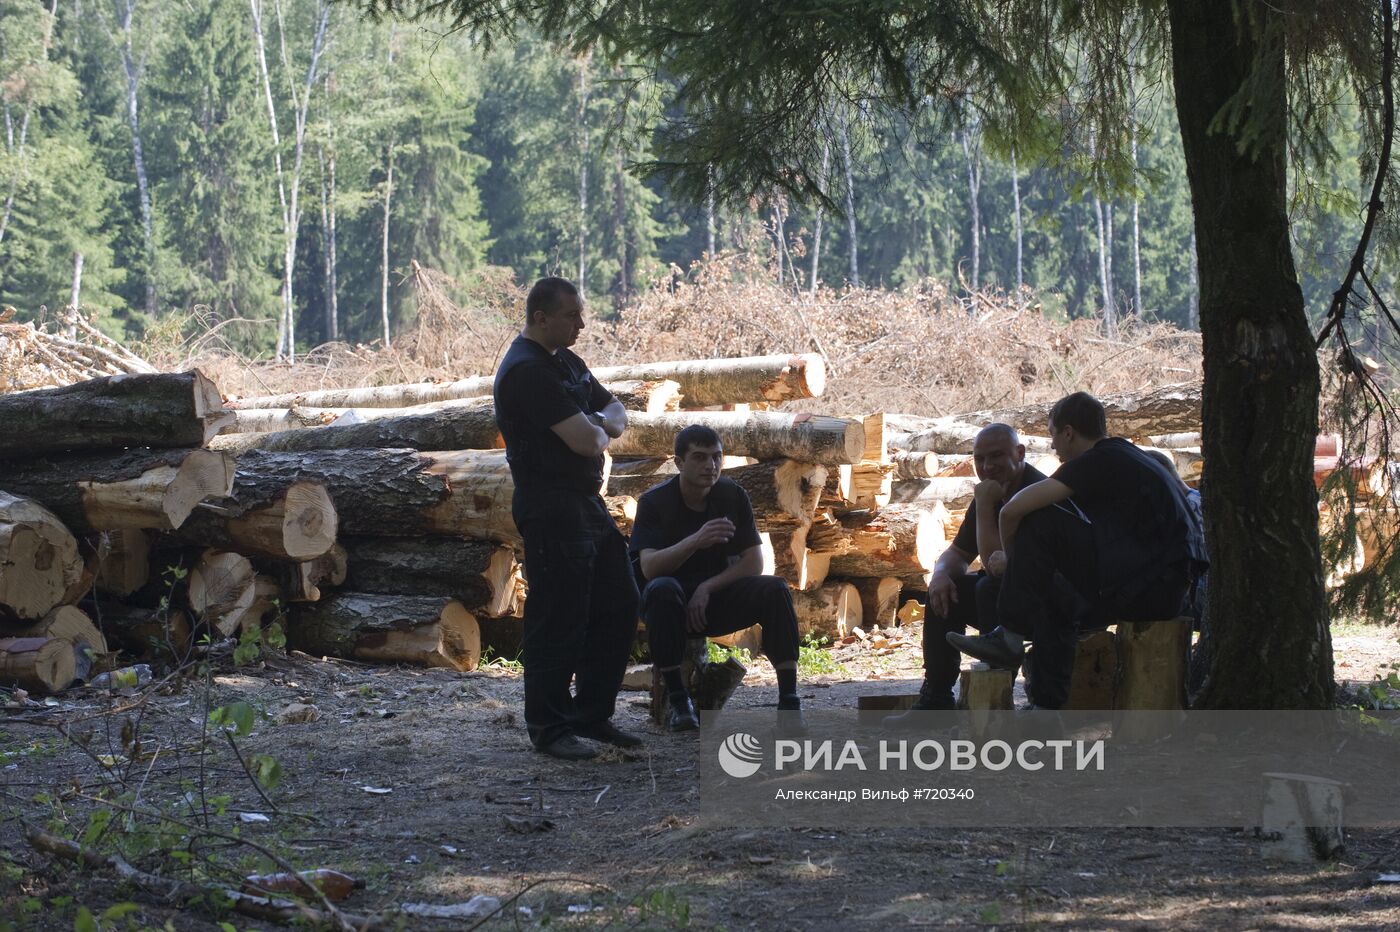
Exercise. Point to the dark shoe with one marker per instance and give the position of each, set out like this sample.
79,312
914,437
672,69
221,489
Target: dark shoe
680,715
568,747
998,647
929,701
608,733
790,720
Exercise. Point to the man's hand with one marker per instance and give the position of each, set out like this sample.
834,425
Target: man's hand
714,531
988,493
942,595
996,563
695,609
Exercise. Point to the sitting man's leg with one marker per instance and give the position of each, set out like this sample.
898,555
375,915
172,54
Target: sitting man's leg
1050,542
663,612
764,601
974,606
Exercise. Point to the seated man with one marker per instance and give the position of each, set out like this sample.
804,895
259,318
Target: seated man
956,597
697,551
1127,546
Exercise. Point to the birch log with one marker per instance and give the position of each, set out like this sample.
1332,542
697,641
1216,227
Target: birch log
420,630
1166,410
763,435
39,560
138,488
469,428
161,410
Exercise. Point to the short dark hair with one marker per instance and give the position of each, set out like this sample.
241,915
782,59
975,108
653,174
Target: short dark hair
696,435
1083,412
547,295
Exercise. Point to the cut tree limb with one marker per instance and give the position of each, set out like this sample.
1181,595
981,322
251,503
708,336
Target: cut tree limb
763,435
421,630
138,488
39,560
181,409
125,562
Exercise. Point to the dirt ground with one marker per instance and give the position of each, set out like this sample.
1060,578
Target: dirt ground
422,784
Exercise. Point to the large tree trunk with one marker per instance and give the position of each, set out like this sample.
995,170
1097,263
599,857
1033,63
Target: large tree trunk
280,520
1267,606
180,409
470,428
479,574
763,435
423,630
137,488
39,561
403,493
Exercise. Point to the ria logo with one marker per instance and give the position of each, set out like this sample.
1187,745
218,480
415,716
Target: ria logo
740,755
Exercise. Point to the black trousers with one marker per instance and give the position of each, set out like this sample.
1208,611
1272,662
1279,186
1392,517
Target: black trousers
750,600
1051,542
976,607
580,613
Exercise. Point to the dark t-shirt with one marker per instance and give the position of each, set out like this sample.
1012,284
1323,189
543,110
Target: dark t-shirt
534,390
966,539
1142,521
663,519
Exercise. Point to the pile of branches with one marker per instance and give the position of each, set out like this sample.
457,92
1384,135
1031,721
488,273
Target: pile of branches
39,357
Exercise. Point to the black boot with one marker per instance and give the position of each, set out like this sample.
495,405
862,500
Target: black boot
680,713
930,700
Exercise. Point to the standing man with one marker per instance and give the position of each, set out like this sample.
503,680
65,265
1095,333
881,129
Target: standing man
1127,545
695,543
581,611
958,598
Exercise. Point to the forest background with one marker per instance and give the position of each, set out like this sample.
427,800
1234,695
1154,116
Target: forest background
275,168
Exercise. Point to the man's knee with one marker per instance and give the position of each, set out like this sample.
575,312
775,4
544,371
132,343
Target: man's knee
662,590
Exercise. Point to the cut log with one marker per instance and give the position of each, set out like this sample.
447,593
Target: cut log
793,561
952,492
39,560
125,562
276,519
914,465
829,611
181,409
302,582
706,382
222,590
479,574
871,485
471,428
955,465
419,630
955,435
652,396
1094,681
71,625
1152,664
876,442
879,600
901,540
782,492
143,631
1166,410
402,493
623,510
837,494
984,688
377,396
763,435
1301,820
40,665
139,488
274,420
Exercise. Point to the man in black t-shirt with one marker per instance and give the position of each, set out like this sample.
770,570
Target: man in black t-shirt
581,610
696,547
958,598
1126,544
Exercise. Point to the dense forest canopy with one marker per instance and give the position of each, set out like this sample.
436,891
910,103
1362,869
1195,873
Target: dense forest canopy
141,172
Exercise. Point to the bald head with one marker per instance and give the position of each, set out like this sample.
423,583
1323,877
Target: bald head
997,453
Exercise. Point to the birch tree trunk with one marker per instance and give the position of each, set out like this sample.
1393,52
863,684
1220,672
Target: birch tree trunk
76,294
332,323
1110,321
384,244
817,232
18,150
850,204
582,128
126,12
710,214
973,155
1016,201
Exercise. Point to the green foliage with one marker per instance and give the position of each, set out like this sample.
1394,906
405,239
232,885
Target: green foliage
814,660
237,718
718,653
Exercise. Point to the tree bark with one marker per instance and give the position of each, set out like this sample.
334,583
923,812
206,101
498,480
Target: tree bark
1016,204
421,630
1267,606
763,435
161,410
461,428
136,488
479,574
301,582
973,155
784,491
39,560
71,625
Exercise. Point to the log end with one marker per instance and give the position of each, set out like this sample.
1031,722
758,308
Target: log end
202,475
309,521
810,370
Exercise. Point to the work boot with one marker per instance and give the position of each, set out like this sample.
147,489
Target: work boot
930,700
680,713
790,720
608,733
999,647
568,747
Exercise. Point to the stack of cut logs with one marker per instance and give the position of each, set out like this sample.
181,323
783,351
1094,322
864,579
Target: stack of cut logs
143,511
